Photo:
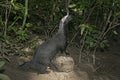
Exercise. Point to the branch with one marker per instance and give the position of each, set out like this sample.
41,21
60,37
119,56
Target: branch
115,26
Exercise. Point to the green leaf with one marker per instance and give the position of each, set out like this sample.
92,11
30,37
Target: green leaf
72,6
28,25
4,77
115,32
2,63
102,45
83,27
82,30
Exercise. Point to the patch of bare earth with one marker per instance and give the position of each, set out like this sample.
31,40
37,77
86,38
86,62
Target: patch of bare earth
12,70
108,67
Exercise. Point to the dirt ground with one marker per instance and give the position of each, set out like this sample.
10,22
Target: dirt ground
111,66
109,62
12,70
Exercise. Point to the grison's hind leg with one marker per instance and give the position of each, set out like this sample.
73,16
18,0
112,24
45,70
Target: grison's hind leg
40,68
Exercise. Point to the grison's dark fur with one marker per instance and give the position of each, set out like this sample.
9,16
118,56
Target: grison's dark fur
47,50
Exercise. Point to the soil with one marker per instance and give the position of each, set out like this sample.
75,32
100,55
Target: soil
108,64
12,70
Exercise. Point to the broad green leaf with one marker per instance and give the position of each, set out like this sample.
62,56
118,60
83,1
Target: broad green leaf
82,30
83,27
4,77
72,5
2,63
115,32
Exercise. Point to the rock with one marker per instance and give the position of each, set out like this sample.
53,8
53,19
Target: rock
64,63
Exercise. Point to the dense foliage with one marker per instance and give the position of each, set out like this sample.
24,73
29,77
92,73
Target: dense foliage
94,23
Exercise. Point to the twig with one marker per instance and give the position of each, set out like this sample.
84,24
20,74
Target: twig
115,26
82,46
90,14
73,38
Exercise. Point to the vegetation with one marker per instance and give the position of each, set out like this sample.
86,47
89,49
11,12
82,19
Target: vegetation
94,23
3,76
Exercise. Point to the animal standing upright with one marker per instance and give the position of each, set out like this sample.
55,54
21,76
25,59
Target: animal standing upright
47,50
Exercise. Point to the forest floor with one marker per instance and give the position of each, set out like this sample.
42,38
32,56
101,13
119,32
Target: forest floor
109,60
12,70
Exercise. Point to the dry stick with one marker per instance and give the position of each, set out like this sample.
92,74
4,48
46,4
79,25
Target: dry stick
96,18
104,32
114,26
111,27
89,14
109,30
108,20
83,43
80,56
73,38
100,37
84,36
85,19
88,17
53,29
52,16
81,21
88,51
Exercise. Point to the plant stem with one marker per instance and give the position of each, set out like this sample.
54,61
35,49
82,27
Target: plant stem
26,13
